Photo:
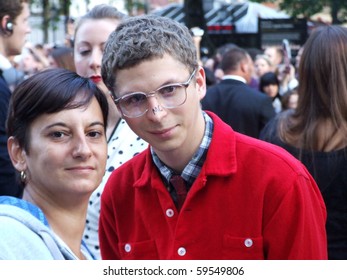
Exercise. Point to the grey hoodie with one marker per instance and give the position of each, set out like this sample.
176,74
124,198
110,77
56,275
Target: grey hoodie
25,234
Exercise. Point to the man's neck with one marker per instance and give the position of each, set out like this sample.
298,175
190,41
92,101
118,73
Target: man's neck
235,77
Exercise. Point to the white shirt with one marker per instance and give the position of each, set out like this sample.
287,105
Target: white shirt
4,63
122,146
234,77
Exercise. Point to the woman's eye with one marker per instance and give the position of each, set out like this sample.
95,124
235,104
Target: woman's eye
84,53
95,134
57,134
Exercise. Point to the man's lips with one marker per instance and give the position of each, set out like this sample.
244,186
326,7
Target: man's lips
163,131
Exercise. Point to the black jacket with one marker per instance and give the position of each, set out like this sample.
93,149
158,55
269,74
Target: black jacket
245,109
9,184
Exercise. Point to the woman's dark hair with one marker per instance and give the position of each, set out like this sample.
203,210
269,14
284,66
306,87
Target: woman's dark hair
322,90
268,78
47,92
63,57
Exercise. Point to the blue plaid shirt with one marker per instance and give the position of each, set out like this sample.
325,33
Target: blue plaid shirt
193,168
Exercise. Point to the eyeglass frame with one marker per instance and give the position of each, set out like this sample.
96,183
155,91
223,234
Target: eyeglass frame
154,93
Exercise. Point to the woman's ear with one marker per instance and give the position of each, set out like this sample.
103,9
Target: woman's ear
201,82
17,154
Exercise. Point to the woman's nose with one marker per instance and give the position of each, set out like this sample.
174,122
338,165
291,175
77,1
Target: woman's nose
81,148
95,59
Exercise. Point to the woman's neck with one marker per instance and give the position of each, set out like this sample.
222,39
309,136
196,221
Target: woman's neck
66,221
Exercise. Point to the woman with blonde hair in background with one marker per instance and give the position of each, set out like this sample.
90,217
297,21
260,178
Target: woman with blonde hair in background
262,65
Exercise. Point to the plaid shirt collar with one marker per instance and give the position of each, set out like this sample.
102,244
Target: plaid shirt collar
193,168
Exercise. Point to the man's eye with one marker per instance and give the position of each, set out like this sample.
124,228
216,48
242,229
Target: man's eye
168,90
134,99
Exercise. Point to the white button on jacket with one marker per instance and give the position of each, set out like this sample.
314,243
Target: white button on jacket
248,242
181,251
127,248
170,213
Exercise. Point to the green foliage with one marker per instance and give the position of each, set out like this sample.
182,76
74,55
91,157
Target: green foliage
296,8
51,12
307,8
134,6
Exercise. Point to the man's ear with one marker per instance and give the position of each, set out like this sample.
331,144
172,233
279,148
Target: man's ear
17,154
246,69
201,82
244,66
6,25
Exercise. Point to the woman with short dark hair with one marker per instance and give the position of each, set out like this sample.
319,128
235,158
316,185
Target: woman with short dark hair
270,85
57,142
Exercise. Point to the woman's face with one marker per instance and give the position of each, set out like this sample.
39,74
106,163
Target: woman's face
271,90
90,40
293,101
28,63
261,66
67,153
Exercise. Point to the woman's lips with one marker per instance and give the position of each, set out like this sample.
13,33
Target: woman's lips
81,169
96,79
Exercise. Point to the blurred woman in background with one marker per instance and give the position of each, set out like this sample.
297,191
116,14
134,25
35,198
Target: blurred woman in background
270,85
316,131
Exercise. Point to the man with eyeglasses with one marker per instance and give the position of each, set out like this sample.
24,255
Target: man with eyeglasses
201,190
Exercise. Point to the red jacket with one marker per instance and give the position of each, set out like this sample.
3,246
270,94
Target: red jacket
252,200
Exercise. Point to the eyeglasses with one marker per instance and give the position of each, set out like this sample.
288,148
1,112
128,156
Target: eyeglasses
170,96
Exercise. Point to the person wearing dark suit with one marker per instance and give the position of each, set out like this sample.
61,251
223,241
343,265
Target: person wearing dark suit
245,109
8,184
14,26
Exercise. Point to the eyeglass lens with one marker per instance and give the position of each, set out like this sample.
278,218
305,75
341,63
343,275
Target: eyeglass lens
169,96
